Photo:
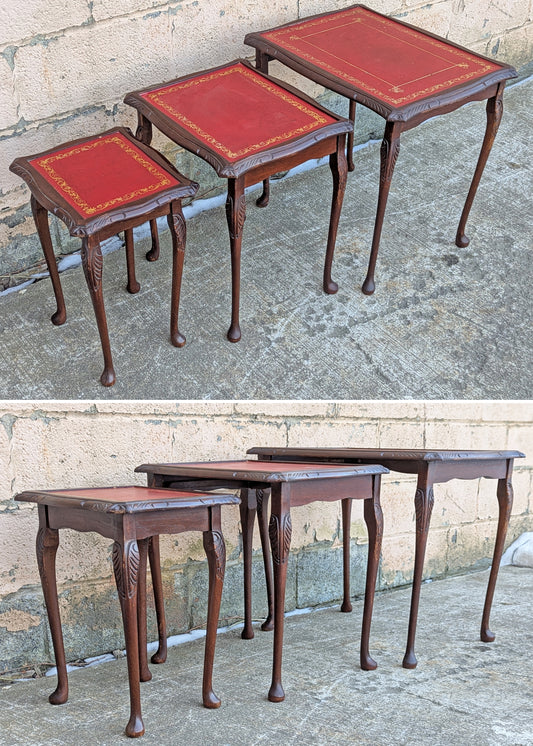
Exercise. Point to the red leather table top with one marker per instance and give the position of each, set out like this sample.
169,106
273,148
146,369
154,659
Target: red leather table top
235,111
102,173
394,63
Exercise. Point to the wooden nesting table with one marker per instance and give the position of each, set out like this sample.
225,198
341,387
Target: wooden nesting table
291,485
131,516
431,467
248,126
404,74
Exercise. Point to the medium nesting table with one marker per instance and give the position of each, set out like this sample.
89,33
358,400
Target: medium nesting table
99,186
130,516
248,126
431,467
291,485
404,74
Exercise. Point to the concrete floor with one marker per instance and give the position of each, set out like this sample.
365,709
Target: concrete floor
444,322
463,691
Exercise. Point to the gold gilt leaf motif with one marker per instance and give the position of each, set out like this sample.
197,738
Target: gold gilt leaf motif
478,66
47,164
158,98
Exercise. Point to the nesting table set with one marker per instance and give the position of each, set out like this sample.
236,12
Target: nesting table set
248,126
189,497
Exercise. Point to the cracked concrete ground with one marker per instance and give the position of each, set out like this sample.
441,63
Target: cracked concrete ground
463,691
443,323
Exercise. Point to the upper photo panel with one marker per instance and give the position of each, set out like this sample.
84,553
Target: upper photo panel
209,200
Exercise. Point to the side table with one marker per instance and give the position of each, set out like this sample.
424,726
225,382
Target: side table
248,126
404,74
291,485
431,467
99,186
130,516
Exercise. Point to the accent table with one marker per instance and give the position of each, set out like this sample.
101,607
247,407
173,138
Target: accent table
132,517
291,485
248,126
431,467
404,74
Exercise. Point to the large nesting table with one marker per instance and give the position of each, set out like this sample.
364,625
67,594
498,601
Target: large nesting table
431,467
404,74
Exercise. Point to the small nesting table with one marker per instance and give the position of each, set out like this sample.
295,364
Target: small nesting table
99,186
130,516
291,485
248,126
404,74
431,467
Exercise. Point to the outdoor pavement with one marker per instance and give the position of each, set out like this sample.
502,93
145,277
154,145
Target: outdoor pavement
443,323
463,691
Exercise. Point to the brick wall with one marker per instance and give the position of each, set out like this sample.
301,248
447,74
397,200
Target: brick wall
51,445
64,69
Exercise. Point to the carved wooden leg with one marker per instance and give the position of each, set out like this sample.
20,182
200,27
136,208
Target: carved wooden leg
262,497
236,215
263,199
178,232
126,561
40,216
132,286
494,116
215,550
46,546
423,507
247,510
160,655
390,147
91,257
349,146
280,530
153,254
346,521
339,170
505,503
374,523
144,672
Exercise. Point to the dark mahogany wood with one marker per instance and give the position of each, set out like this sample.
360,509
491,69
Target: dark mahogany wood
431,467
105,222
402,49
133,517
290,485
182,121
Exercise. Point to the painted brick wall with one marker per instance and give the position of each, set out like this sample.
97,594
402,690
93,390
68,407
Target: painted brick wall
63,444
65,67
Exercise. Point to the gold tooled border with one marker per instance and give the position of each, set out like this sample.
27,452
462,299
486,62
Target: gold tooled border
46,164
482,66
157,98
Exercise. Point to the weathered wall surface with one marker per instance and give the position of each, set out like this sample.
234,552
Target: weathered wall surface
65,68
95,444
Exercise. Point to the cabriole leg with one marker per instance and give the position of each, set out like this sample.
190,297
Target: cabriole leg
132,286
247,524
346,521
215,550
154,556
262,497
144,672
91,258
423,507
46,546
349,146
339,170
236,215
178,233
390,147
494,116
40,216
374,522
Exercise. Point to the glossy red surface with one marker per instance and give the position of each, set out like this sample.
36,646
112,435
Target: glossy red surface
122,494
237,112
395,63
102,173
